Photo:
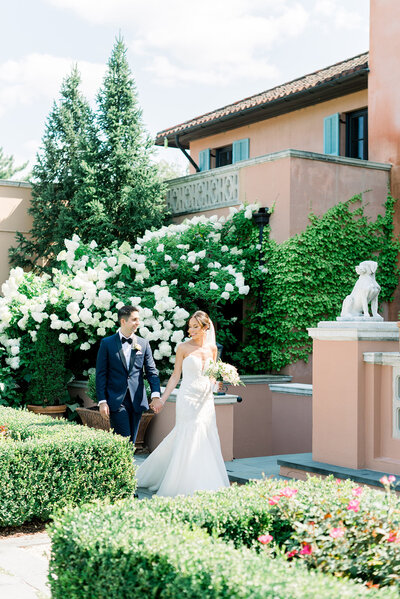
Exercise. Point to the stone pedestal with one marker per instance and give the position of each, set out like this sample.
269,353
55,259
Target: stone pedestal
342,412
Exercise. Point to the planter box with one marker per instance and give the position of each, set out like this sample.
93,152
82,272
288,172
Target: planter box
92,417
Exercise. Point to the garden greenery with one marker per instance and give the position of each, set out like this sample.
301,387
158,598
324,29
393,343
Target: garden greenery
261,536
204,263
94,175
310,274
47,464
167,274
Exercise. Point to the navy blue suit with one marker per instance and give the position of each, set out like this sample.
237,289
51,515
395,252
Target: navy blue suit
122,385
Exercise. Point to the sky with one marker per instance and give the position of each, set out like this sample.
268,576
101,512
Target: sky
187,57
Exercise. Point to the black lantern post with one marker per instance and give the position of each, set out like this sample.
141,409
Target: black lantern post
261,219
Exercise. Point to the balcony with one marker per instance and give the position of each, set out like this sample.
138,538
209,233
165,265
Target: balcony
293,181
204,191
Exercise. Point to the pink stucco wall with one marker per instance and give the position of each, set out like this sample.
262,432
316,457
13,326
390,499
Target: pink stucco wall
383,93
14,203
384,99
291,423
296,186
352,406
300,130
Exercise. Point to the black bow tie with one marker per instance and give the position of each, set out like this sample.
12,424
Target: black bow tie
125,340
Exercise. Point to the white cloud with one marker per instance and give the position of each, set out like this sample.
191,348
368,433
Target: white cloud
332,13
38,77
209,42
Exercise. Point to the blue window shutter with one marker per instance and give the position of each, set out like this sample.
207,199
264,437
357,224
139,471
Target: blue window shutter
240,150
204,160
331,135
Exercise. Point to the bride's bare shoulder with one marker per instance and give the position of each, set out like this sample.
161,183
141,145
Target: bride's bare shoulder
183,348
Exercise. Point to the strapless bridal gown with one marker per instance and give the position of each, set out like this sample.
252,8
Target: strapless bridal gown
189,459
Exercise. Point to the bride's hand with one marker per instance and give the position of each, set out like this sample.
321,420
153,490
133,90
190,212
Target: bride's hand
156,405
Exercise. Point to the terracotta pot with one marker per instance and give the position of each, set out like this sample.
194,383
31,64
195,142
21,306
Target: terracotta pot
53,411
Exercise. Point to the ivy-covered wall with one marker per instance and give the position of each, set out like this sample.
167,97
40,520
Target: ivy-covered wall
308,277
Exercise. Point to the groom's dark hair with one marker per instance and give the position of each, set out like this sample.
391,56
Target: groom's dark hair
125,312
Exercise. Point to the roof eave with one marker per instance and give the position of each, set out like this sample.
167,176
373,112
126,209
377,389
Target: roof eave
323,92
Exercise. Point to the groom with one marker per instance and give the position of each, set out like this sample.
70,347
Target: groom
119,375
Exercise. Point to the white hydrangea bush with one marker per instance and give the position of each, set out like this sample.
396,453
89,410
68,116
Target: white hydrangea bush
167,274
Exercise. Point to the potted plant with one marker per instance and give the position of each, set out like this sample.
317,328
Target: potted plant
47,390
92,417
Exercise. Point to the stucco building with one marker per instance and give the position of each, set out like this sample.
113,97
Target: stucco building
304,145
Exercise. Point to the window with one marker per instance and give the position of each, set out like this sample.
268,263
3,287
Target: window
347,134
331,135
216,157
223,156
357,134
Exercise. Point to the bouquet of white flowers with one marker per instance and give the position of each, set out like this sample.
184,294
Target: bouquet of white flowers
221,371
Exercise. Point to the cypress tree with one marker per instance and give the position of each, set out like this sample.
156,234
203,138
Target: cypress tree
123,193
58,174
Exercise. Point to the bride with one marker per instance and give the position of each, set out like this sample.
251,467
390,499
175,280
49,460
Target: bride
189,459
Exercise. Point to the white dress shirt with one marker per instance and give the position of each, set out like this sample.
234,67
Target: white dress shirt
127,349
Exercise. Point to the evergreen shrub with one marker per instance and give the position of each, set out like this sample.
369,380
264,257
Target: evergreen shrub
47,385
47,464
332,526
112,552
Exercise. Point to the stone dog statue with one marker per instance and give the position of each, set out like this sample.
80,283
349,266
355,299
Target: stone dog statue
365,291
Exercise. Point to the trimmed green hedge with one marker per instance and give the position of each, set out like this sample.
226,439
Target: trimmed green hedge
47,464
117,552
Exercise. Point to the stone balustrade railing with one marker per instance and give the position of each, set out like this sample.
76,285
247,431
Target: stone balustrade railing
208,190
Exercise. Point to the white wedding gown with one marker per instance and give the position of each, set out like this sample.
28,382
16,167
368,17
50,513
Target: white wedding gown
189,459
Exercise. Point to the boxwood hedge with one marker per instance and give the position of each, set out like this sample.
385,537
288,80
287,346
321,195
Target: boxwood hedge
46,464
114,552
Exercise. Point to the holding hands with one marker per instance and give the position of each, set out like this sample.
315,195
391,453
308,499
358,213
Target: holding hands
156,405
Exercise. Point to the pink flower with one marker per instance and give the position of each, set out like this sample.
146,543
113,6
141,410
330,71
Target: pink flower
357,491
387,480
289,492
274,500
393,538
307,549
338,481
354,505
292,553
336,533
265,539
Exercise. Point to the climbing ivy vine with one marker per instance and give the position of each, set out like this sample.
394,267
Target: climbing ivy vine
308,277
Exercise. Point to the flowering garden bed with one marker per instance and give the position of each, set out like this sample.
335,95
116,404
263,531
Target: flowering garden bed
46,464
266,539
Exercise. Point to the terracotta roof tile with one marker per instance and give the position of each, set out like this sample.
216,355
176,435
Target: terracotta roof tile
307,82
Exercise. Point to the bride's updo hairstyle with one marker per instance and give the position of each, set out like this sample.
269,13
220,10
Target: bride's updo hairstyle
202,318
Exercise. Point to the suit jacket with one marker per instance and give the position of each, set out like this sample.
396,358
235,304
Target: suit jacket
114,376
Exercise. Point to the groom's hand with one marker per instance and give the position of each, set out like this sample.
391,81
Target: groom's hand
156,405
104,409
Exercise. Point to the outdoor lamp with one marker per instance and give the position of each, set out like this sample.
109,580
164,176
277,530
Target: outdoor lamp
261,218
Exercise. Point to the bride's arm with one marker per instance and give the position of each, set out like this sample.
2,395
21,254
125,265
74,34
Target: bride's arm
217,386
158,403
